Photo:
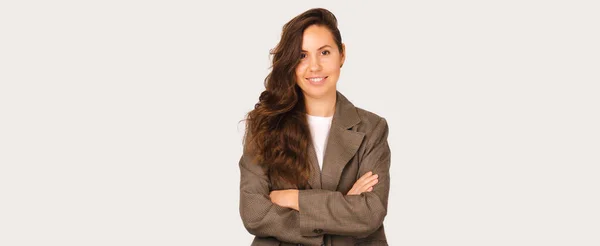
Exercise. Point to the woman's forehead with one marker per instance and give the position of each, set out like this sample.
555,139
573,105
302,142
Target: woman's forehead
316,37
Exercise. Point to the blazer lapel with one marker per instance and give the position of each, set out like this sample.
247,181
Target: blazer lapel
342,144
315,175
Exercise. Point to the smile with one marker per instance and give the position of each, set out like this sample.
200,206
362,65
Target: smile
316,80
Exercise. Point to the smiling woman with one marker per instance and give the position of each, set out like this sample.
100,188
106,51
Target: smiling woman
321,59
315,168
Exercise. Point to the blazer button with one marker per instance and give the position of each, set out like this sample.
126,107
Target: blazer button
318,231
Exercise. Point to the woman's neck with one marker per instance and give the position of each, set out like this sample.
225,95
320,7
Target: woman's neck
323,107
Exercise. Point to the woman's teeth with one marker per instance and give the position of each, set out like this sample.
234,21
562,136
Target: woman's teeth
316,80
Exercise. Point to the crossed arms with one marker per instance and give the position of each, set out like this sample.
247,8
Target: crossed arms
304,216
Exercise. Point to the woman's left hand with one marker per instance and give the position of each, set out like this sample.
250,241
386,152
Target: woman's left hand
285,198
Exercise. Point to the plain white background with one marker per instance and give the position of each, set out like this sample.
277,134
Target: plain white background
119,120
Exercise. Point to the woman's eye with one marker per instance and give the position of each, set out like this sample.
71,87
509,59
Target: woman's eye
302,56
325,52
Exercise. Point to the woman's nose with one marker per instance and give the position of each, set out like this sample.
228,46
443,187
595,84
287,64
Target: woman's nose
315,64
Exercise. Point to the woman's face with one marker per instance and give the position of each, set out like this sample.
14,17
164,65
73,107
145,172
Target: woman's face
319,68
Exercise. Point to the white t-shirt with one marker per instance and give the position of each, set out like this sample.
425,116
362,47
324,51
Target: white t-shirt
319,131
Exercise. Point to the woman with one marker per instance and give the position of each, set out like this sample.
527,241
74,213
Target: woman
315,168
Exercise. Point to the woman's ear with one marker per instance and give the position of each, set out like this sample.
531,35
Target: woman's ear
343,55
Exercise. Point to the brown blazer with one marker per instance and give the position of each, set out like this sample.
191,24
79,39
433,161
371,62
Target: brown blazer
357,144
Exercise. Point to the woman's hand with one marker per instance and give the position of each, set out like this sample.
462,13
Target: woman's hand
364,184
289,198
285,198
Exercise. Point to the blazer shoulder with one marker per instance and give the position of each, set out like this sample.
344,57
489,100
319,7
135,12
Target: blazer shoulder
368,119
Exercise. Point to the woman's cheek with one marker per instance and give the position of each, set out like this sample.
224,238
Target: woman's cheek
300,69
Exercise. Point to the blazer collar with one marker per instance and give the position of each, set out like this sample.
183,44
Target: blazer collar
342,145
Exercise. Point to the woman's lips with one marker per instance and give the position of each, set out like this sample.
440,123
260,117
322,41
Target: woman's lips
317,80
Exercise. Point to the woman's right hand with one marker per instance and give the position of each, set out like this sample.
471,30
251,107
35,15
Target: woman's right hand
364,184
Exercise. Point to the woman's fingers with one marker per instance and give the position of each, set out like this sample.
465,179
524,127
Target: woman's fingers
364,184
361,183
370,183
365,176
355,190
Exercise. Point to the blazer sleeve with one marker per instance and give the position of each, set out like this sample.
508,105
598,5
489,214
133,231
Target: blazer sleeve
331,212
260,216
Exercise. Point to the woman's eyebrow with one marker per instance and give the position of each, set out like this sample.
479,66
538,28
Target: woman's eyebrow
322,47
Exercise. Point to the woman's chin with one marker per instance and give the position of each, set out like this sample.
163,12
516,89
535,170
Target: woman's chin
319,93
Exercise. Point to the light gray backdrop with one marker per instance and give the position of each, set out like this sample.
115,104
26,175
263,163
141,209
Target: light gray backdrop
119,119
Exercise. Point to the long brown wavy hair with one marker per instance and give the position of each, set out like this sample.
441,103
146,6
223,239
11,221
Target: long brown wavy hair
277,132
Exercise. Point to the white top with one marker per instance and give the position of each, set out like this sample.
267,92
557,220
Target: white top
319,131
